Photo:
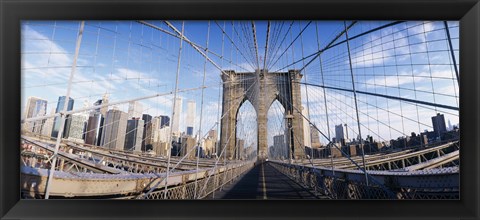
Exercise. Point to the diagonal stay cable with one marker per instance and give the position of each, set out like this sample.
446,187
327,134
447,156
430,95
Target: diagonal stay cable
291,43
266,45
389,192
281,43
255,43
194,46
235,45
331,44
179,162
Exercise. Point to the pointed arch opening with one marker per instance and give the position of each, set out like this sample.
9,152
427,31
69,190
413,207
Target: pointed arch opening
246,132
277,134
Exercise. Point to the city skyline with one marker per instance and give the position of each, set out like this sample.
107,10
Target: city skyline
183,109
58,45
77,127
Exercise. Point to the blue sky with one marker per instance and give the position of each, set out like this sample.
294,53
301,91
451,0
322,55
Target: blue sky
127,59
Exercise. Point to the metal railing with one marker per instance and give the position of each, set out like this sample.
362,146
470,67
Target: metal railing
350,184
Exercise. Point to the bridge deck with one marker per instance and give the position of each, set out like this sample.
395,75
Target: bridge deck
264,182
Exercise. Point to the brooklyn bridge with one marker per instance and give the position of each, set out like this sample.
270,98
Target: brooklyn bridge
240,110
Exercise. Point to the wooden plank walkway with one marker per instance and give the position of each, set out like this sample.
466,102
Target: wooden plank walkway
264,182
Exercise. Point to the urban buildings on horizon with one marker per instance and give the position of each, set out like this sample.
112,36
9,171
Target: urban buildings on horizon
135,131
314,147
118,130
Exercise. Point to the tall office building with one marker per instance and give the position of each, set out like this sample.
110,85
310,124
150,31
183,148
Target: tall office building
135,109
306,129
104,100
35,107
315,137
164,121
147,134
93,133
240,145
439,126
190,120
164,135
133,136
57,120
208,145
339,134
279,146
176,116
213,135
86,116
158,147
156,122
76,127
114,129
48,125
187,144
97,103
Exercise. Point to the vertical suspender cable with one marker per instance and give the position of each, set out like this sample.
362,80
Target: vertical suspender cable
306,96
255,43
324,97
356,104
201,109
266,46
217,143
169,150
64,109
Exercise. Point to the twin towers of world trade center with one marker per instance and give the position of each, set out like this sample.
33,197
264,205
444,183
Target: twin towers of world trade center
189,117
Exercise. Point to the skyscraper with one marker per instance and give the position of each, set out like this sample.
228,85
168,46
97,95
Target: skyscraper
48,125
104,100
57,120
114,129
164,135
133,136
94,129
176,116
97,103
155,128
76,127
208,145
438,123
279,146
315,137
93,133
135,109
35,107
240,145
147,133
339,135
164,121
186,147
190,120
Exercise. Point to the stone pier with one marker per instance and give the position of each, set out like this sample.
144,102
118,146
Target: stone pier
261,89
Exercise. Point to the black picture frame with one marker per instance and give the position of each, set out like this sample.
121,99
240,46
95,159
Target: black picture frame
13,11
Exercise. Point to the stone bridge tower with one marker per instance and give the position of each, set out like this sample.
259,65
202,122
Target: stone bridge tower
262,88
